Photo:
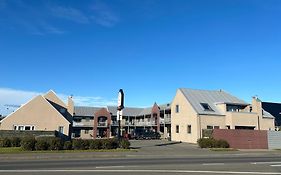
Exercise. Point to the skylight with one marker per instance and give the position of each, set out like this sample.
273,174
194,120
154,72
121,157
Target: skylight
206,107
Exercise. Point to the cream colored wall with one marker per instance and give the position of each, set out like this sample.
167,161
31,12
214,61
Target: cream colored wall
241,119
265,123
212,120
86,136
70,106
51,95
222,108
186,116
37,112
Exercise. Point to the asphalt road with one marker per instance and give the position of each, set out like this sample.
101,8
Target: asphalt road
146,161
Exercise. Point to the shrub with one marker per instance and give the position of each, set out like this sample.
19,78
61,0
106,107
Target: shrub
80,144
212,143
95,144
5,142
15,141
41,144
206,143
67,145
110,144
55,144
221,144
124,143
28,143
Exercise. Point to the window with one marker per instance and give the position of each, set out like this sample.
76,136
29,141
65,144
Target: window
177,108
27,128
61,129
86,131
213,127
62,110
206,107
189,129
21,128
177,129
216,127
87,119
209,127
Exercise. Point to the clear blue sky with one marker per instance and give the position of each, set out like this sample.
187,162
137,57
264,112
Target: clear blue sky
147,47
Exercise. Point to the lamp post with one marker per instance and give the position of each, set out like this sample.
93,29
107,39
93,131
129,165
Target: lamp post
120,108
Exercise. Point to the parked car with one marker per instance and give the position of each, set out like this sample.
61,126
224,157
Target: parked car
149,135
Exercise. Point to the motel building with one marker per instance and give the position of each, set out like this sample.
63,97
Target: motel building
184,119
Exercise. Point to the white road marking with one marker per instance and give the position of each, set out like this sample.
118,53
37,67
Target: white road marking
140,171
213,164
264,163
103,167
275,165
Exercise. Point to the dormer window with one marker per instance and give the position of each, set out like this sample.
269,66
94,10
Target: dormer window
206,107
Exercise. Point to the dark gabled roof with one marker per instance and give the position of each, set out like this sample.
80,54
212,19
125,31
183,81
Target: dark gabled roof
85,110
197,97
274,109
62,110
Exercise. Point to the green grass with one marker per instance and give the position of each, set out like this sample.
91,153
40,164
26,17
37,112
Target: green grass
223,149
15,150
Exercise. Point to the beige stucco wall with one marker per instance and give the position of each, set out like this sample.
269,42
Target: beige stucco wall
212,120
86,136
265,123
242,119
39,113
186,116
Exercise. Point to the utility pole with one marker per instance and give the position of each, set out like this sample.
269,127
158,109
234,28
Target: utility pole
120,108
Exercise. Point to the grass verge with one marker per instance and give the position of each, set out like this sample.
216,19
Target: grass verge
223,149
16,150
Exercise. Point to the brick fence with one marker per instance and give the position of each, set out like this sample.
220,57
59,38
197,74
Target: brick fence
243,139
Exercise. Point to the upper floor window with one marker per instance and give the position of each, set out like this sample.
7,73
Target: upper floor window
61,129
206,107
177,108
177,129
189,129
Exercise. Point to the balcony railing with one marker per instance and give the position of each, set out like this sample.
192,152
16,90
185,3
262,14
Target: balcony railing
102,124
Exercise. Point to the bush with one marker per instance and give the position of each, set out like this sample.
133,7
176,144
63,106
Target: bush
110,144
79,144
55,144
124,143
95,144
67,145
221,144
15,141
206,143
41,144
28,143
5,142
212,143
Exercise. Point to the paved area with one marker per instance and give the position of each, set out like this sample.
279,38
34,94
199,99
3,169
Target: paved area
152,157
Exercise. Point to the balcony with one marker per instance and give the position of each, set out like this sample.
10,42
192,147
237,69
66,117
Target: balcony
82,124
102,124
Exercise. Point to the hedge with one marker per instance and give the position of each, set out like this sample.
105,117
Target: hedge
50,143
212,143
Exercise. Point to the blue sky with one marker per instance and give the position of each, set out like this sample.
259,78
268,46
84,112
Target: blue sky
149,48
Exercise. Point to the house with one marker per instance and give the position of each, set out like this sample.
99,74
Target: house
274,109
101,122
196,110
42,113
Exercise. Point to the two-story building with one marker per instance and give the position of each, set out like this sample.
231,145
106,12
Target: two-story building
195,110
98,122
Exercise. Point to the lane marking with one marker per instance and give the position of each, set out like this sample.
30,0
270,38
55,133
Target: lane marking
261,163
213,164
275,165
140,171
102,167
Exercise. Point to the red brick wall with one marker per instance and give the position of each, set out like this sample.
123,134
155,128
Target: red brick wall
243,139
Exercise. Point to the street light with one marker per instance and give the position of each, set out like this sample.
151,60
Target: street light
120,108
